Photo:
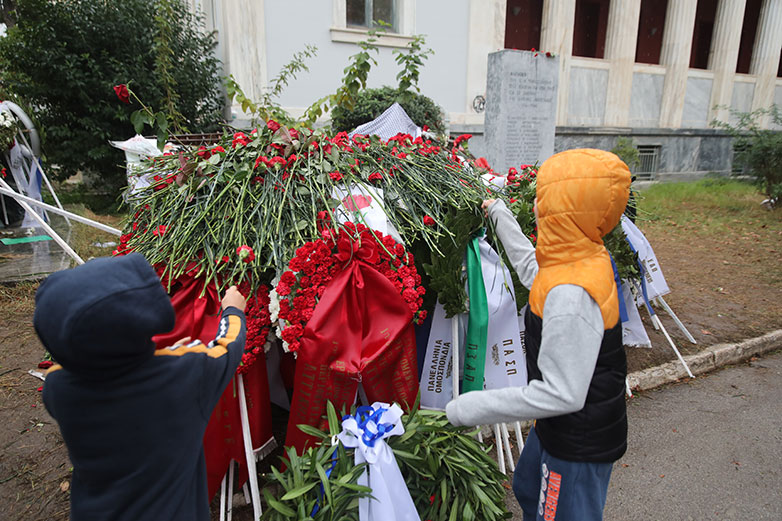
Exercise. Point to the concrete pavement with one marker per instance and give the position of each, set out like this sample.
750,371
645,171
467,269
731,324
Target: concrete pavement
708,448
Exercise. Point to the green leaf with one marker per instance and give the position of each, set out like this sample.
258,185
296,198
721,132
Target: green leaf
355,488
279,507
162,122
136,118
312,431
297,492
324,480
334,423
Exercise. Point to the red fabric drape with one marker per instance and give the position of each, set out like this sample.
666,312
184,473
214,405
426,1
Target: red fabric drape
360,331
198,316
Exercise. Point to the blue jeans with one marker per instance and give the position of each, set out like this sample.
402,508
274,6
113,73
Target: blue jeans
548,488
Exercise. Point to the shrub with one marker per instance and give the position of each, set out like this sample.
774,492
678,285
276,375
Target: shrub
625,149
63,57
758,150
370,103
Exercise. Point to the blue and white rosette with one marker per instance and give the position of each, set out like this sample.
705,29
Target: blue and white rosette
366,432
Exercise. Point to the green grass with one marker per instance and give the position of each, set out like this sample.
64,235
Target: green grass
713,204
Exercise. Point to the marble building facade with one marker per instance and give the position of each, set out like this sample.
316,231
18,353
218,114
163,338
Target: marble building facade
658,71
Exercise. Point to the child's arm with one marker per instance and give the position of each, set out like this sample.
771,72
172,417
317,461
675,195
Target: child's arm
570,343
521,253
225,351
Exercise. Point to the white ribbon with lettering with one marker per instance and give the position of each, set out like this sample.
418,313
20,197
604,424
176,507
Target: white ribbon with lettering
633,331
505,361
653,275
366,431
436,381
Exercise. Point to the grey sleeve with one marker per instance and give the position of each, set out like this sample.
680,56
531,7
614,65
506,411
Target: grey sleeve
570,342
521,253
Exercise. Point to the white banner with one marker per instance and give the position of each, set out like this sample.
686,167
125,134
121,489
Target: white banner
24,169
390,499
653,275
505,362
363,204
633,331
436,380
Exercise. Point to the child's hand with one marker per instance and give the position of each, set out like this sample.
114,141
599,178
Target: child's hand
485,206
233,298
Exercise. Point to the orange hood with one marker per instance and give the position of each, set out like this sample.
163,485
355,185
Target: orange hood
581,196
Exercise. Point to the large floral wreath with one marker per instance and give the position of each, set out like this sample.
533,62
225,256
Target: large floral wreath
316,263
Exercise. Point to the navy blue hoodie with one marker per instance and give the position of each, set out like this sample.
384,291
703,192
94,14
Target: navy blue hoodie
133,418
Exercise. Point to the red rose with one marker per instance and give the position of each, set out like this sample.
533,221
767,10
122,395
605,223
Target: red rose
122,93
428,221
273,125
46,364
245,253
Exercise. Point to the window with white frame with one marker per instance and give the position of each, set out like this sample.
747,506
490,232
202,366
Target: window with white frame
353,18
368,14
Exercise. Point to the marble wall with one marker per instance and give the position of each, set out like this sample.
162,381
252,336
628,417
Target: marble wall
742,96
778,103
696,103
646,100
587,96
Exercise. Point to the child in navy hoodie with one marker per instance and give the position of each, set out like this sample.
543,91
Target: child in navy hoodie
133,417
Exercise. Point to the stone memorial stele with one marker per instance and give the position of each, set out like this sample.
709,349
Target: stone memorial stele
521,108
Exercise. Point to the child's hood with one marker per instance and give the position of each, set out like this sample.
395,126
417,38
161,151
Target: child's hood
581,195
97,319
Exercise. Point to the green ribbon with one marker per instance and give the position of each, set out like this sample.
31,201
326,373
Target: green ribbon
477,329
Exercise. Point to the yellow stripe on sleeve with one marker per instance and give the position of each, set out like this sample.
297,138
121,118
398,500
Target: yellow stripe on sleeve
213,352
234,327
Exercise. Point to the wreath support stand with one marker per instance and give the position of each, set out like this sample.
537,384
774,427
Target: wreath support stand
248,449
227,485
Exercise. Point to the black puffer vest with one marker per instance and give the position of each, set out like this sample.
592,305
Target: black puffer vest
598,432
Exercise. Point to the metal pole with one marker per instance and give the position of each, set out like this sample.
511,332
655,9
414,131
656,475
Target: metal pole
248,450
455,354
655,317
506,442
676,319
19,197
59,240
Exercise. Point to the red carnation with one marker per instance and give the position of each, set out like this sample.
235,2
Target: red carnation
46,364
245,253
375,176
122,93
273,125
428,221
159,231
482,163
335,176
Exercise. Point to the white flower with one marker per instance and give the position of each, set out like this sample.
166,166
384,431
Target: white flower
274,304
